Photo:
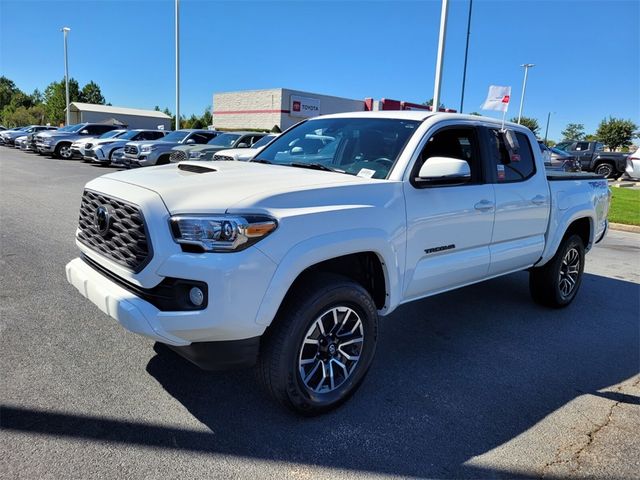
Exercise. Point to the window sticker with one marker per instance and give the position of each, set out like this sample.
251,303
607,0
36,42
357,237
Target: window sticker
501,173
366,173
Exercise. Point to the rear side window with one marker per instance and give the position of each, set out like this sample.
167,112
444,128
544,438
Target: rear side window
582,146
510,167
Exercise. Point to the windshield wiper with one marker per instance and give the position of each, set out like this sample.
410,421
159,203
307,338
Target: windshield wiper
260,160
316,166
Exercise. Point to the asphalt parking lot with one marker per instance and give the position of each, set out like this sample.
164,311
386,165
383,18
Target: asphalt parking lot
477,383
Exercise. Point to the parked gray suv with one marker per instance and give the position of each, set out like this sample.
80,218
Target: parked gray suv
58,142
145,153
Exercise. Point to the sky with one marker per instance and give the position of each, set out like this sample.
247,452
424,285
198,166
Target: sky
586,53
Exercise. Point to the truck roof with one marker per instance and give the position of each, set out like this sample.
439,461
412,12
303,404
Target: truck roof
418,115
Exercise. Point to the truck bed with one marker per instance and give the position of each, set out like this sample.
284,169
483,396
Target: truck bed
558,176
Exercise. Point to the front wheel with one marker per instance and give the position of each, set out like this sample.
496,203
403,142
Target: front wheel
556,283
63,150
321,345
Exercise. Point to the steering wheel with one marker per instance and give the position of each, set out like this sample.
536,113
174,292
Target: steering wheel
383,161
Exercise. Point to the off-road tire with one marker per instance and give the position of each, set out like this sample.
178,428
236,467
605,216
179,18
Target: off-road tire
279,365
548,284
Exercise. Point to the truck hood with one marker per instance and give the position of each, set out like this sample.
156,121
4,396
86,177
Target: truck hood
225,186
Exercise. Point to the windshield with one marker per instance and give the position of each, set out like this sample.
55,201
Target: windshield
224,140
176,136
112,134
128,135
263,141
70,128
367,147
557,151
563,145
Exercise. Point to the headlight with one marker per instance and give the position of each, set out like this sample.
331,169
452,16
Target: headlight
196,154
221,233
146,148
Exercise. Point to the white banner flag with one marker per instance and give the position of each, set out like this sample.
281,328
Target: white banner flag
497,99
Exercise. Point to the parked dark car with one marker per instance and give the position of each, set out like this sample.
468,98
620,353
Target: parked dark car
558,160
593,158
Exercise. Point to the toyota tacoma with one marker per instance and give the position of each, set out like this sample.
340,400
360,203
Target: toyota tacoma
286,262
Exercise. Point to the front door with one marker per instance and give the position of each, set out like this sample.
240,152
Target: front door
448,227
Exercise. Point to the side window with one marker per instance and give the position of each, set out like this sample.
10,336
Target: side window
582,146
255,138
512,168
98,129
599,147
458,143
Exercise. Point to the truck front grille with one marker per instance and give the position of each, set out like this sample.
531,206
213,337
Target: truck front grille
122,238
131,149
178,156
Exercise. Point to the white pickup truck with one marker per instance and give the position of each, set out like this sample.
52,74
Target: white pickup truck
288,260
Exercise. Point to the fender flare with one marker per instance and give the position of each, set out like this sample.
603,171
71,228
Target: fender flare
325,247
567,218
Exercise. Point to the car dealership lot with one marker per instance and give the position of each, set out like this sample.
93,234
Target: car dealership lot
480,382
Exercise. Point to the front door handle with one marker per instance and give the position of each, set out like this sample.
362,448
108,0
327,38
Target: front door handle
484,205
539,199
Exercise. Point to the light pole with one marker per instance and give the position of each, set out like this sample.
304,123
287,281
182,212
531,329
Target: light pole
546,130
526,66
466,54
65,31
177,64
440,58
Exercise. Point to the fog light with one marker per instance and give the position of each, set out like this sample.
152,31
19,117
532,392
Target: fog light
196,296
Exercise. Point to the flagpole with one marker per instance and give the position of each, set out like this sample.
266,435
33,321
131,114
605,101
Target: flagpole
504,114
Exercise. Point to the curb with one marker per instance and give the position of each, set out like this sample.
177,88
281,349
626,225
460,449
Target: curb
624,228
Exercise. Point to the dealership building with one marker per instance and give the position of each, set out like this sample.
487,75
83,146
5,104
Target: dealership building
128,117
283,107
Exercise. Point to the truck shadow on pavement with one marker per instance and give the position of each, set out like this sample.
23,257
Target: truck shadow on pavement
455,376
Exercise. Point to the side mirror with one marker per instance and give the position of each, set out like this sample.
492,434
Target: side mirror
242,145
191,141
84,132
444,171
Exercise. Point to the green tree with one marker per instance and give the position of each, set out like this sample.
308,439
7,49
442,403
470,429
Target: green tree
207,119
616,132
551,143
36,97
573,131
91,93
591,138
7,90
55,100
34,115
530,123
477,114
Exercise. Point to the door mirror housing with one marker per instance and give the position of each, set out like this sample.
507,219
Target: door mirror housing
444,171
242,145
190,141
84,132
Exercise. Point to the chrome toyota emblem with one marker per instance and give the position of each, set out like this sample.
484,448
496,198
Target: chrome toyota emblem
102,220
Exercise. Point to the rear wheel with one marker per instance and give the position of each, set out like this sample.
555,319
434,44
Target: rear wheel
556,283
606,170
321,345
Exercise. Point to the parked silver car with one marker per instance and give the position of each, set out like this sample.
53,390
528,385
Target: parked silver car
58,143
102,150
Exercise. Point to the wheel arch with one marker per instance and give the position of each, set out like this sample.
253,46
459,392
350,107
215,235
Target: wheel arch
580,223
374,266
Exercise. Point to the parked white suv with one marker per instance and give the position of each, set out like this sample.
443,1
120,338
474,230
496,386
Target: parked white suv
289,260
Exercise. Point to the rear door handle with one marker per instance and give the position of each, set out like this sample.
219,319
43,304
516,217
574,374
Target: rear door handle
484,205
539,199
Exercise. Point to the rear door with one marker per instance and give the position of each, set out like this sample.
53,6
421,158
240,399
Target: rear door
448,227
522,203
